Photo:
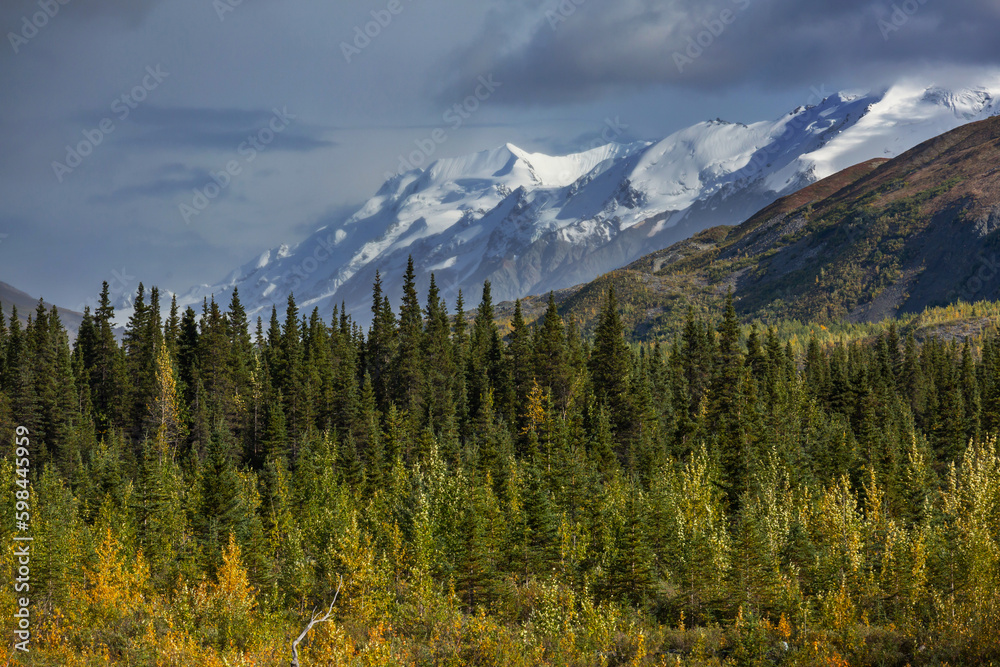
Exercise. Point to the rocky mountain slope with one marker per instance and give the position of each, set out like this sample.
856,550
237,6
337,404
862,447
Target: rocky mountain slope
878,240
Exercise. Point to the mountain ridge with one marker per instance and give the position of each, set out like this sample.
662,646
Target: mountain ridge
26,305
882,239
530,223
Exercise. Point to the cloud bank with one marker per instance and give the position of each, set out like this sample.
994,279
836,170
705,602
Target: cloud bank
576,50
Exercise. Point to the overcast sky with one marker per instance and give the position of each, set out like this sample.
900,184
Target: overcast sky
112,112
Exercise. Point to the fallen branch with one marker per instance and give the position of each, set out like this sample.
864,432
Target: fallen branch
315,619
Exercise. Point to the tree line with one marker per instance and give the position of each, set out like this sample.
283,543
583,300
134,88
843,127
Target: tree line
517,495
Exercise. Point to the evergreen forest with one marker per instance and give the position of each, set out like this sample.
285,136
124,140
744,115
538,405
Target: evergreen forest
440,488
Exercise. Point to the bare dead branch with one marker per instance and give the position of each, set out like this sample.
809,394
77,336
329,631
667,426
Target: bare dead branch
313,621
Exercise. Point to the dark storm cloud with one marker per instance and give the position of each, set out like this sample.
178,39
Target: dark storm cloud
223,129
579,49
170,181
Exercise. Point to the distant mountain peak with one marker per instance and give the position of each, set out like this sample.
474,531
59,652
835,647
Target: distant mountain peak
531,222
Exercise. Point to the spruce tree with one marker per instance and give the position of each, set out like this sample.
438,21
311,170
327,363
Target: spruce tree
521,360
318,374
290,375
107,369
630,575
241,359
381,345
482,362
345,362
551,367
275,439
54,388
460,352
214,364
141,338
728,365
273,344
694,356
542,523
611,366
219,512
439,359
971,396
728,414
172,328
408,366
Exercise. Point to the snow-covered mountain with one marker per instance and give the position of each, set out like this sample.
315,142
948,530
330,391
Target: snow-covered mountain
530,222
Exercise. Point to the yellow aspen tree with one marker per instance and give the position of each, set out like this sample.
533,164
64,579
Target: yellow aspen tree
367,588
967,542
234,598
162,522
164,413
534,412
694,540
115,590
